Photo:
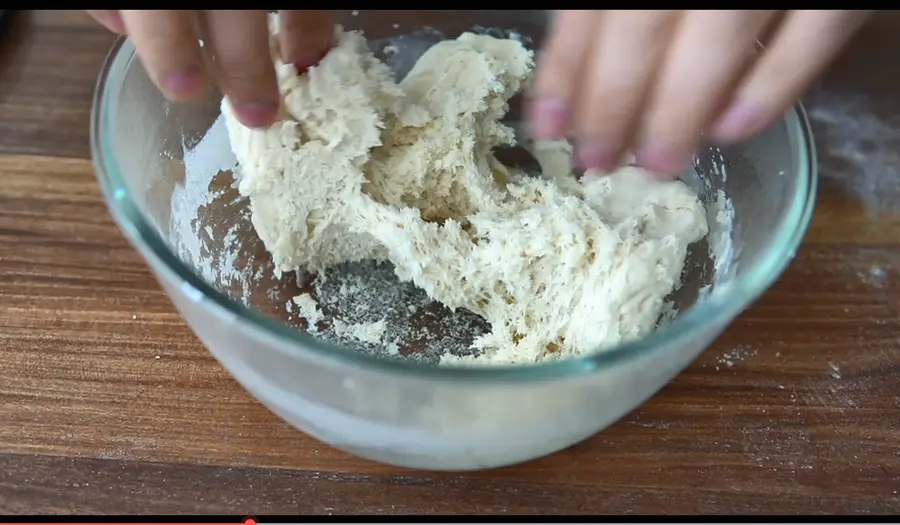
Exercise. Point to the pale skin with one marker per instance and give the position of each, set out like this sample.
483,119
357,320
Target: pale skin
655,83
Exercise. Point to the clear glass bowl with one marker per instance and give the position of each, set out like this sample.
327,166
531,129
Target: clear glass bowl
148,160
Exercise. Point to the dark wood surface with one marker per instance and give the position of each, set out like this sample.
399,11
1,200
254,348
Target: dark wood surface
109,404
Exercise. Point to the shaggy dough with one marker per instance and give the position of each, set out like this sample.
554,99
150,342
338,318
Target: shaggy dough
362,167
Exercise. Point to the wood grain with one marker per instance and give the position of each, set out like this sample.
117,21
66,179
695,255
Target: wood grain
111,405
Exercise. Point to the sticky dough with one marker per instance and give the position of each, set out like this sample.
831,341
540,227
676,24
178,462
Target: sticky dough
361,167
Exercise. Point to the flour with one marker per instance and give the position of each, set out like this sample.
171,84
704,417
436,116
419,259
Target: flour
556,269
309,309
875,276
207,216
834,371
866,145
365,332
416,328
735,356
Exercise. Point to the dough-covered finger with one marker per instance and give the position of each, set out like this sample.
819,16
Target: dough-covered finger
559,72
804,45
305,36
709,52
108,18
239,42
620,71
166,42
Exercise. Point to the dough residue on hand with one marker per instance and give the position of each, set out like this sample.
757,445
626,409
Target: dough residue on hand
363,167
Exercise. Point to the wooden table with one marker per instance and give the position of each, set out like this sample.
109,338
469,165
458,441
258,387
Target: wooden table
109,404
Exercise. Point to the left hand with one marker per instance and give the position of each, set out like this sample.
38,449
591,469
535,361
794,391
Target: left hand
168,44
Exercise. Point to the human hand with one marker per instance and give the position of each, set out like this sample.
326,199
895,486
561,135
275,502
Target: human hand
236,48
654,82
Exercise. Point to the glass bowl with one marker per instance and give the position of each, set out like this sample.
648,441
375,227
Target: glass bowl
163,169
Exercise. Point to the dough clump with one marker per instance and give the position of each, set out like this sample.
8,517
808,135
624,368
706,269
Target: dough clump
363,167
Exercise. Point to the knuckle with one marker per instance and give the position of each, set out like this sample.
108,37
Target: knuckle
240,77
244,66
246,76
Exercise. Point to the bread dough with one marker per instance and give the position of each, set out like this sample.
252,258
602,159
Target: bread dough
362,167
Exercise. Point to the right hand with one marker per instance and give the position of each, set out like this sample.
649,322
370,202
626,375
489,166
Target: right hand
168,44
658,82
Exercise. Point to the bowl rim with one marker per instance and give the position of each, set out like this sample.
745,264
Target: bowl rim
726,302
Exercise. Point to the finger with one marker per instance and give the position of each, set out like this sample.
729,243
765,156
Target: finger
167,46
306,36
239,41
708,53
110,19
559,72
622,66
802,48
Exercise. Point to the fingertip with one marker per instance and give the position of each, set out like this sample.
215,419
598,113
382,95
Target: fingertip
597,156
739,121
167,45
243,69
550,118
559,72
256,114
662,158
184,84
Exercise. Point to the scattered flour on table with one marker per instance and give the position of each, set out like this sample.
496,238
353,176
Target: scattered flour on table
364,168
875,276
735,356
866,144
834,371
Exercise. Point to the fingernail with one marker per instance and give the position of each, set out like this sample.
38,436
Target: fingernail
662,158
304,61
257,114
550,119
596,156
183,83
738,121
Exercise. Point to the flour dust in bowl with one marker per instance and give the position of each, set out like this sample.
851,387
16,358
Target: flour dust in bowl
371,272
